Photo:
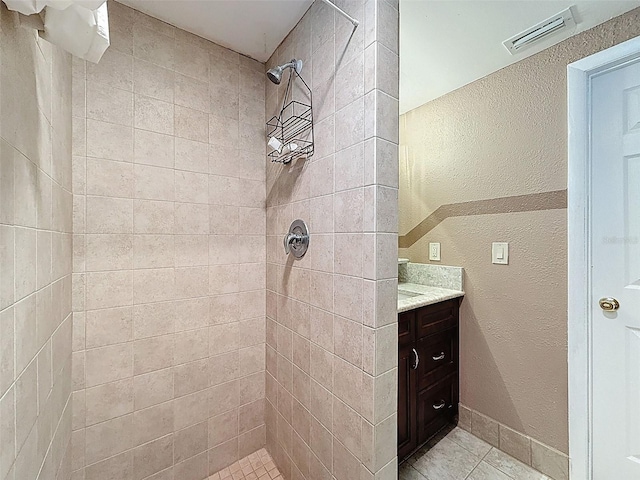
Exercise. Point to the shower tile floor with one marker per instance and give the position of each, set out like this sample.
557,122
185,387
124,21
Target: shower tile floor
257,466
459,455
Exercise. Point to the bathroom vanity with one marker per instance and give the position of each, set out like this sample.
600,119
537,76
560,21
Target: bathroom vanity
427,356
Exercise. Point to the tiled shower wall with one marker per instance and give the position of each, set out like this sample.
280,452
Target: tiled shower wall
331,317
169,255
35,255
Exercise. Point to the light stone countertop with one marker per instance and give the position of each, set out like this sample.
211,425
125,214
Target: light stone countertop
421,295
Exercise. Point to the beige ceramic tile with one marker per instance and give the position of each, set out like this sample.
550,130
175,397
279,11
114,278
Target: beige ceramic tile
153,251
109,401
108,326
407,472
152,388
151,45
191,93
191,59
152,457
347,427
110,141
109,438
154,183
153,353
109,178
468,441
153,148
153,319
190,441
192,377
107,364
152,423
464,417
153,115
549,461
223,428
115,69
515,444
152,80
153,217
108,104
485,428
447,461
191,124
190,409
109,215
194,467
348,340
191,155
345,464
484,471
512,467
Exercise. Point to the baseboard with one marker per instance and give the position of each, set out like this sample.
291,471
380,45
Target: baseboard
529,451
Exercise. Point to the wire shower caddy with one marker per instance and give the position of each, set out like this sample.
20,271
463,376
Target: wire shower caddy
293,125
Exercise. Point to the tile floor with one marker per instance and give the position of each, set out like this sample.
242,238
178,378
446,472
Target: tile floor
459,455
257,466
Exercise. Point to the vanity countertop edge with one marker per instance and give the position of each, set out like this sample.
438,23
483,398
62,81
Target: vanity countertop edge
425,295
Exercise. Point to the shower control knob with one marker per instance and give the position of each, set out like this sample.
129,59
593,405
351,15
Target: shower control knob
297,240
292,240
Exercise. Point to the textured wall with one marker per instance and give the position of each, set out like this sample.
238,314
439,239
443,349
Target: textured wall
35,255
169,255
500,136
331,317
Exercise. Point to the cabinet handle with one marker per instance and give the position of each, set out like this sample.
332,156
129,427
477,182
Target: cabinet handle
439,357
415,365
440,405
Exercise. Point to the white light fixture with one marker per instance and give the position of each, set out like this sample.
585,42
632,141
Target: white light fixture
561,22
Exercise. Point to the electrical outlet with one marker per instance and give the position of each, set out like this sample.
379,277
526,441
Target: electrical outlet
434,251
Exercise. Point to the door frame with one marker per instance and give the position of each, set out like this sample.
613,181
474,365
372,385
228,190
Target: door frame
580,319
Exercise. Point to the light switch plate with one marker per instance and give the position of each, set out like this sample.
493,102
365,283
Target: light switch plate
434,251
500,253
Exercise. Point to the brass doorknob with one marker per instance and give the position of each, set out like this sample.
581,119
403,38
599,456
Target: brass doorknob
609,304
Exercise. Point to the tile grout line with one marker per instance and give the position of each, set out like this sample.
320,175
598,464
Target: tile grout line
482,458
477,464
493,466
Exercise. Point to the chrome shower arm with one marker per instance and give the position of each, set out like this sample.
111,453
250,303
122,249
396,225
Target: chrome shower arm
343,13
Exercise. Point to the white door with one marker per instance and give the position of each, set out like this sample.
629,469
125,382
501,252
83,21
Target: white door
615,263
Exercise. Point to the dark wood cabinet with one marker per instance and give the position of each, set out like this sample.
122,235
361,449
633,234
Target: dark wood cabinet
407,404
427,373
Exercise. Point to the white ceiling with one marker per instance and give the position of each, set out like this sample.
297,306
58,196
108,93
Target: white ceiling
446,44
252,27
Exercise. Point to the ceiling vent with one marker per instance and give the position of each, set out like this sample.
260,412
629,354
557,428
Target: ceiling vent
561,22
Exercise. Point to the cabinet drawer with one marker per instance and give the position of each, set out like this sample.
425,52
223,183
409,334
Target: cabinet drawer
436,407
438,355
435,318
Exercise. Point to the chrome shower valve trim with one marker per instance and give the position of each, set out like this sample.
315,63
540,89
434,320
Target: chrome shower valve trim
297,240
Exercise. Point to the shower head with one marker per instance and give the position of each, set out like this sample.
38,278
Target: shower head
275,73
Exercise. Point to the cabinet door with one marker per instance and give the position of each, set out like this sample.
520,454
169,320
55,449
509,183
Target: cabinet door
407,426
